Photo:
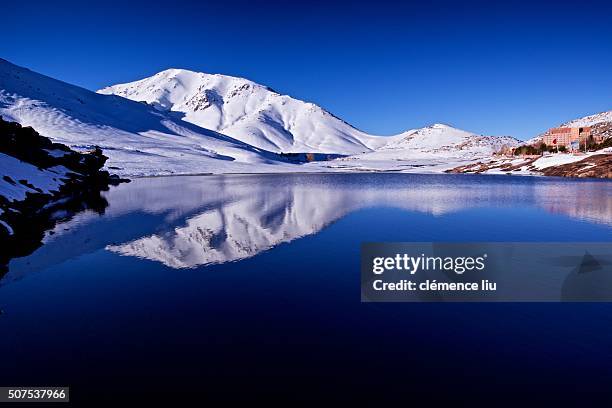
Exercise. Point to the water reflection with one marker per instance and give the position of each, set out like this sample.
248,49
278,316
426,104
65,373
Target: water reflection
33,224
589,201
185,222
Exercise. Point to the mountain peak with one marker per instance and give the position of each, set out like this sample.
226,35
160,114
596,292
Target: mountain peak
440,126
196,75
175,71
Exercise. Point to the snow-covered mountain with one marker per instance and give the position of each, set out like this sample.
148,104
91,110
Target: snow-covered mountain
199,123
249,112
138,139
266,119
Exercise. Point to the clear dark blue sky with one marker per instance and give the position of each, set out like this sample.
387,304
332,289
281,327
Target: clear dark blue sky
491,67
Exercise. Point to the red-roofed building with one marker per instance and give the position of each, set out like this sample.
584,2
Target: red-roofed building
568,137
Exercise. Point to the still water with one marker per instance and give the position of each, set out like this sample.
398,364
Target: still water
252,282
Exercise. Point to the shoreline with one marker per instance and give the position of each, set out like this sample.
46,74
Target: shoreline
597,165
501,174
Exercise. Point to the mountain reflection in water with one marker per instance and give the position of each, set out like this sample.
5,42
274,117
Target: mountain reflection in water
189,221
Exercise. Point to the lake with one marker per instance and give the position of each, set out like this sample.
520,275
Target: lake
250,284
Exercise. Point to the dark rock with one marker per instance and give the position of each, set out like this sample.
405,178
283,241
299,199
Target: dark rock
31,217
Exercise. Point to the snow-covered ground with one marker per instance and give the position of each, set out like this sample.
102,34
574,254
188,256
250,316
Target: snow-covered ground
45,181
559,159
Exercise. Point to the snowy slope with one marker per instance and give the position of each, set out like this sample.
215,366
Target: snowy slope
138,139
46,181
590,120
249,112
437,142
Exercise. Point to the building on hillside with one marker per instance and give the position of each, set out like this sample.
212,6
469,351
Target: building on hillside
572,138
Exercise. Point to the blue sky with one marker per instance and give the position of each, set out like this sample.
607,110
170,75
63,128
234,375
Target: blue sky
505,68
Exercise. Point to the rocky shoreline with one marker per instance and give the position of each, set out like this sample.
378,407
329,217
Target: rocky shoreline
42,183
596,166
593,166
